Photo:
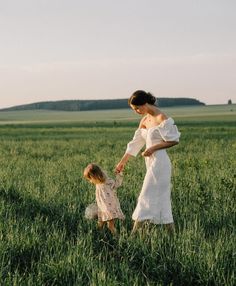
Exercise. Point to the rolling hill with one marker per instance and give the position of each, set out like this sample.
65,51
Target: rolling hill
83,105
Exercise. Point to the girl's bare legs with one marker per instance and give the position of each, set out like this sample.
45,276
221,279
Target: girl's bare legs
100,224
111,226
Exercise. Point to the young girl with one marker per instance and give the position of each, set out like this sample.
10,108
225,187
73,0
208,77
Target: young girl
108,206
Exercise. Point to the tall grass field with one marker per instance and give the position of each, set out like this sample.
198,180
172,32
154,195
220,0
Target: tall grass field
45,238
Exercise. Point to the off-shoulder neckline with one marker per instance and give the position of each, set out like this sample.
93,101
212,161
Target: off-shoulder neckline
159,125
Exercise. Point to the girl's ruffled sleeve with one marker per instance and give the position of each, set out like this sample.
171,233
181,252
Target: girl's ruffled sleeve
118,181
136,144
169,131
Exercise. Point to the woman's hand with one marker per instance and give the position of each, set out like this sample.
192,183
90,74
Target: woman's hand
163,145
120,167
148,152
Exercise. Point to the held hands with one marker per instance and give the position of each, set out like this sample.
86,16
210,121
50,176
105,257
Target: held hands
119,168
148,152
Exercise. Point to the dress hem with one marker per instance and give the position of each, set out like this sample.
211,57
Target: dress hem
155,221
123,218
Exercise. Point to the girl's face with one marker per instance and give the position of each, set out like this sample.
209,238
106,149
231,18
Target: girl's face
140,109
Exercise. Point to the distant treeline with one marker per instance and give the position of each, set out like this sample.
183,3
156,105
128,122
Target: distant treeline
82,105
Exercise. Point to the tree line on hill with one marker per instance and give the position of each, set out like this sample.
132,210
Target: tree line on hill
83,105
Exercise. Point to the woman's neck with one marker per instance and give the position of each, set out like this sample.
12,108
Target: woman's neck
152,110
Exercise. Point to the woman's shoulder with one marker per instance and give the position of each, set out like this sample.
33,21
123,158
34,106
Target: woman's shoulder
161,117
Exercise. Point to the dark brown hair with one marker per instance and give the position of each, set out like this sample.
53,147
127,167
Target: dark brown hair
141,97
94,172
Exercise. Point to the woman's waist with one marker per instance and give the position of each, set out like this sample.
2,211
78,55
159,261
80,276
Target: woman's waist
159,154
153,144
150,143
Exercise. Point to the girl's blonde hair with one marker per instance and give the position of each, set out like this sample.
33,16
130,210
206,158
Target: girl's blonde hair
94,172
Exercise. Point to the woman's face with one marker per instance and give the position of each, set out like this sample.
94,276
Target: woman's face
140,109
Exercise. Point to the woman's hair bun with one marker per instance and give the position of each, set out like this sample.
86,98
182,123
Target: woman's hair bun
150,98
141,97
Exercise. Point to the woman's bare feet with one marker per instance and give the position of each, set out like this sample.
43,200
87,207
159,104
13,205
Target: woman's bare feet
170,227
137,225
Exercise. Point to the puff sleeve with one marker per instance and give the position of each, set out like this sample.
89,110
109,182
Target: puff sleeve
169,131
136,144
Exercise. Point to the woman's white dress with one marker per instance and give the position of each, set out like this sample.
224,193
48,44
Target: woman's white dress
154,201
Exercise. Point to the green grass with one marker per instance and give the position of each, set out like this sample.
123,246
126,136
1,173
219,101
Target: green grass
45,239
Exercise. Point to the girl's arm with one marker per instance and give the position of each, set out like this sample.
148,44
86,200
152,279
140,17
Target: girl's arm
118,180
159,146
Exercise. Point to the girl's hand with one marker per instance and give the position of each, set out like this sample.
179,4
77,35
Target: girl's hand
148,152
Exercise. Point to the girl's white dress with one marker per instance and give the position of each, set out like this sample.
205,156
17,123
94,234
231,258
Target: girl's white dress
107,201
154,202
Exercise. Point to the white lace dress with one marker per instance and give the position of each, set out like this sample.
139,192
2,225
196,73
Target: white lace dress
154,201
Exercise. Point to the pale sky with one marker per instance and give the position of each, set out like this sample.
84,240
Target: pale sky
106,49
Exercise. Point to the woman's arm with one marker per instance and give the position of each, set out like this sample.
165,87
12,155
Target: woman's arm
135,145
159,146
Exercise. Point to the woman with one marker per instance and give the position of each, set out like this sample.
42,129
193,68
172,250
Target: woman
158,132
